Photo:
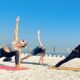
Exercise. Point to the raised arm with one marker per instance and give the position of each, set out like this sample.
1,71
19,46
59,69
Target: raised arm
39,39
16,30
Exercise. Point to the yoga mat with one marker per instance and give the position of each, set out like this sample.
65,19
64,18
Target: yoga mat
13,68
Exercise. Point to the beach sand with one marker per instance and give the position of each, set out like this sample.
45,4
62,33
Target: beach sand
41,72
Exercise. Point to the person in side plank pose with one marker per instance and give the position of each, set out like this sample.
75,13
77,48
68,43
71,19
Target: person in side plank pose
14,49
39,50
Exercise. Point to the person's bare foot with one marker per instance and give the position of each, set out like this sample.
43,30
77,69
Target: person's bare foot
53,67
41,63
18,66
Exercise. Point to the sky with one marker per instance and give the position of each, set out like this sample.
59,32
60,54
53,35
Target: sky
58,21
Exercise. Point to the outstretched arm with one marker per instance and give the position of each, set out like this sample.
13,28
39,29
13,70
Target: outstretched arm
39,39
16,40
16,30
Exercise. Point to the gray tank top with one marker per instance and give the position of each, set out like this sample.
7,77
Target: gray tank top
11,47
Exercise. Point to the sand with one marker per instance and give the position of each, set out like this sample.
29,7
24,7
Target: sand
41,72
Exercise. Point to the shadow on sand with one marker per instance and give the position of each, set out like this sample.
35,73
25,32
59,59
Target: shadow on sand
34,63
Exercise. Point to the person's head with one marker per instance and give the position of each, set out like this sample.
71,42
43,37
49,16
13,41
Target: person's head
23,43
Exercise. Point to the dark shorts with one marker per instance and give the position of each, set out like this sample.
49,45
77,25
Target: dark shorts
37,51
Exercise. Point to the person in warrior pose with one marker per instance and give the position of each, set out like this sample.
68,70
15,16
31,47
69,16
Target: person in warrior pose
39,50
14,49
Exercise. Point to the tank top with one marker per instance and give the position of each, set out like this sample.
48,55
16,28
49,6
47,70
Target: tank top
11,47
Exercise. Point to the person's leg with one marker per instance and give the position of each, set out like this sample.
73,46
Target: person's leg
34,52
71,56
41,60
42,54
26,57
11,54
7,59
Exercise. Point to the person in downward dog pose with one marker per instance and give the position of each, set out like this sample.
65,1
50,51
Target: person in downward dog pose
14,49
39,50
74,54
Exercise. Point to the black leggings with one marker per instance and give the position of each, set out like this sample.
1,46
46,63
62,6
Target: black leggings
10,54
16,54
71,56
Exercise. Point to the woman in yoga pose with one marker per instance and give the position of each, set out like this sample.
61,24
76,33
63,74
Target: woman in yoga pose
74,54
14,49
39,50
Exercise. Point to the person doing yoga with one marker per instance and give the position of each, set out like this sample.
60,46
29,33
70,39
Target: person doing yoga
39,50
14,49
74,54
